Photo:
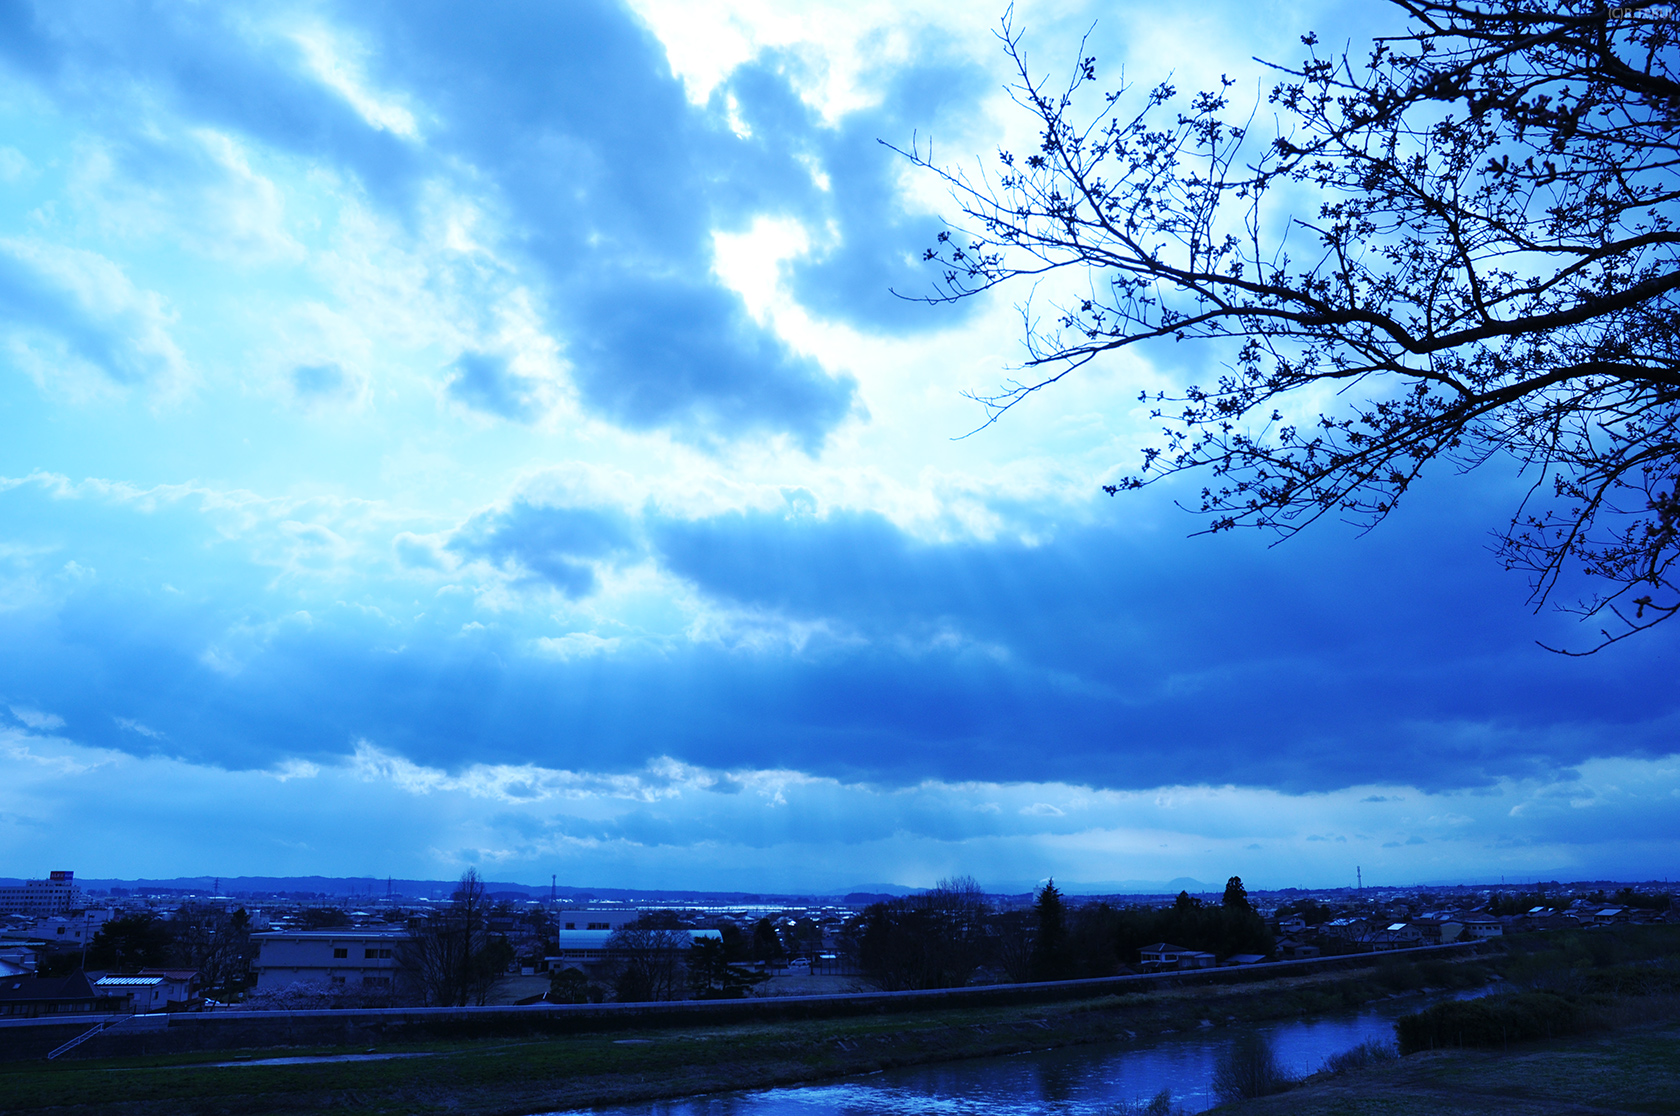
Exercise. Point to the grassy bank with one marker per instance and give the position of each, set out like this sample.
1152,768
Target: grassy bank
523,1077
1587,1021
1635,1070
1561,985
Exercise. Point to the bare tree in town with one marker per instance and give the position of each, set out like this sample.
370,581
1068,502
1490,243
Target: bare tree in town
450,957
646,962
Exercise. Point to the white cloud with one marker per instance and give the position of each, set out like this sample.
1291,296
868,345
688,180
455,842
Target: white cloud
129,725
36,719
338,64
74,320
14,164
576,645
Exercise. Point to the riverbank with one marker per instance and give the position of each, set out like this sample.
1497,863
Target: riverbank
1631,1071
493,1078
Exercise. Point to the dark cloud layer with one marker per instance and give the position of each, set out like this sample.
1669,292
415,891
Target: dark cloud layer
1104,659
550,544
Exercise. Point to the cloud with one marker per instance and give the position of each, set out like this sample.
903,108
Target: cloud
577,645
841,646
872,243
64,306
485,382
559,546
130,725
666,823
320,380
672,353
601,184
195,188
36,719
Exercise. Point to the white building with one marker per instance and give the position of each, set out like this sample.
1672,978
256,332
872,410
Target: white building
580,948
152,990
55,895
359,958
586,919
59,931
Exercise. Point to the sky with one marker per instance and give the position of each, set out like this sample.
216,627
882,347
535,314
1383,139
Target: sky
443,436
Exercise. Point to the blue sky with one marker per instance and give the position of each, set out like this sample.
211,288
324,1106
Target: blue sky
443,437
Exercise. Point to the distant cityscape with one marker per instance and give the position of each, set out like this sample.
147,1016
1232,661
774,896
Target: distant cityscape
69,946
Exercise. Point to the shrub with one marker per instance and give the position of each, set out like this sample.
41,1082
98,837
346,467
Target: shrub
1161,1104
1249,1068
1489,1021
1399,976
1367,1053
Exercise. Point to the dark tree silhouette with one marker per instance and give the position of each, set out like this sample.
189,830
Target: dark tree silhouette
450,955
214,941
1050,958
932,940
1236,895
647,961
1485,267
131,942
766,943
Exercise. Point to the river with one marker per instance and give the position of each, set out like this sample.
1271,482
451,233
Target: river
1074,1081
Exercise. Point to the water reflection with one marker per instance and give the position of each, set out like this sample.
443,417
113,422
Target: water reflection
1075,1081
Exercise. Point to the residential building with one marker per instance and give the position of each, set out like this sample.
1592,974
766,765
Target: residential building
138,994
31,997
361,957
1164,956
68,931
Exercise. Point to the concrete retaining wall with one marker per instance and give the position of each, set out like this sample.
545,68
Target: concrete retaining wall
234,1029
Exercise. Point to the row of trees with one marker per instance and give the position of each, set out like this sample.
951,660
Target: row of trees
937,939
942,938
213,940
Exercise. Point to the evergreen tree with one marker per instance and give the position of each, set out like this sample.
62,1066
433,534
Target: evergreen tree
1236,896
1050,947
